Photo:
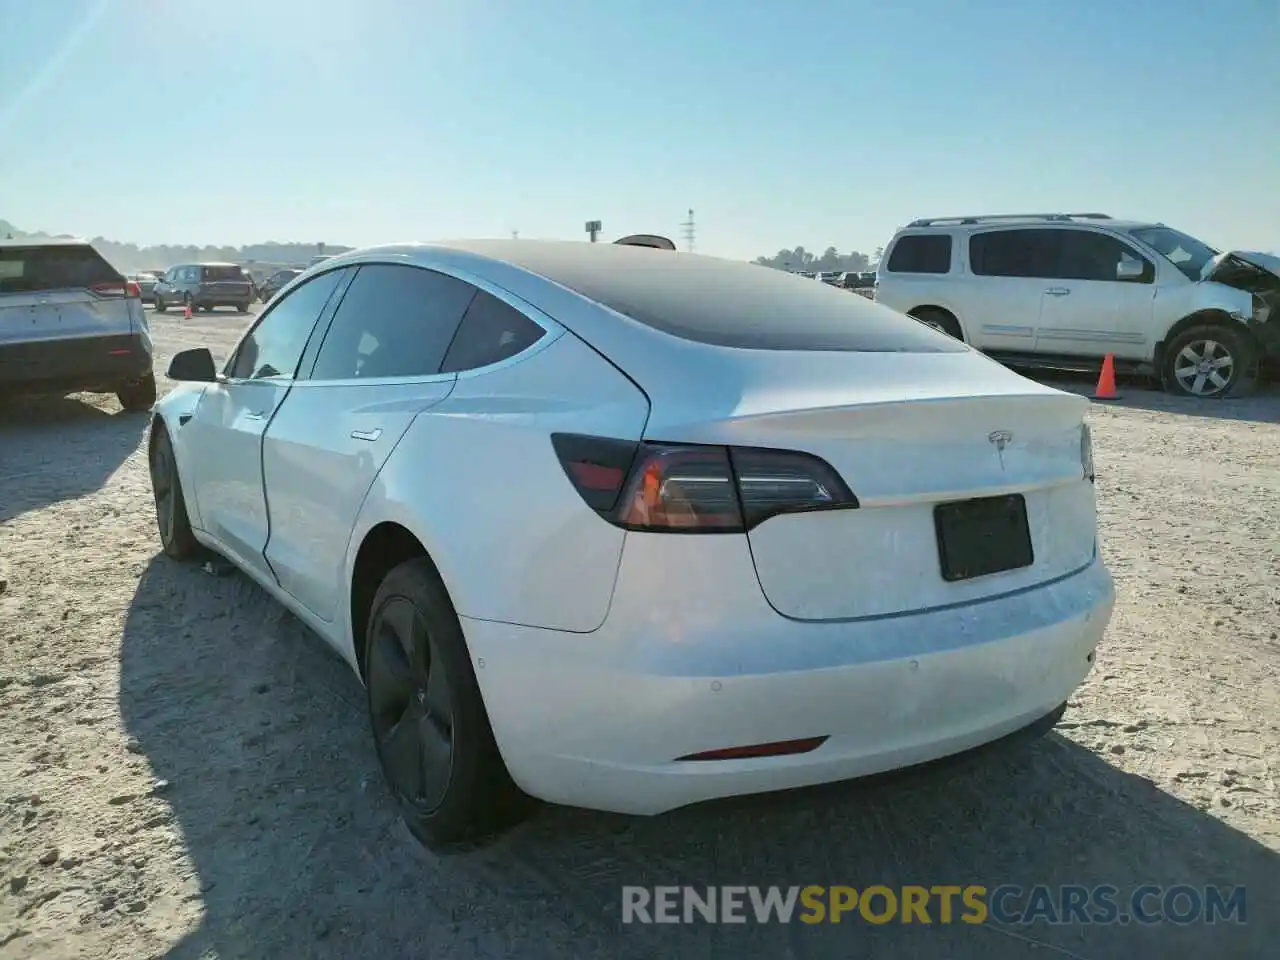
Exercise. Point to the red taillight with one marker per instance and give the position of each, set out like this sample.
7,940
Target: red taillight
686,488
781,748
122,288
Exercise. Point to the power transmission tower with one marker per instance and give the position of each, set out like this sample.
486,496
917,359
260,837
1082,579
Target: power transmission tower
689,234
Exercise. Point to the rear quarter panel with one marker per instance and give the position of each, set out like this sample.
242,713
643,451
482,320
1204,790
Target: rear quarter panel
475,478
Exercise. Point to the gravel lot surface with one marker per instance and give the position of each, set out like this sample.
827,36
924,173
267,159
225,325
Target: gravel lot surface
185,771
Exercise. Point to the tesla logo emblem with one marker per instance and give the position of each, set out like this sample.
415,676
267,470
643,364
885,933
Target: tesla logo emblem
1001,440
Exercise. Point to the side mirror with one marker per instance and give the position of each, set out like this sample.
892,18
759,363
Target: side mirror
195,366
1129,270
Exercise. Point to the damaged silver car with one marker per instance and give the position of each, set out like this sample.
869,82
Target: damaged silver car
1066,290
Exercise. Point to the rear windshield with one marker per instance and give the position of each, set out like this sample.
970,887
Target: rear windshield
223,273
32,269
730,304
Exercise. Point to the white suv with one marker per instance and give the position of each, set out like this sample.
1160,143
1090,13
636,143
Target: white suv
69,322
1064,290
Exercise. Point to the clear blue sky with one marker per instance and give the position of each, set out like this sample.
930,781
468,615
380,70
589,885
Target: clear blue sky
366,121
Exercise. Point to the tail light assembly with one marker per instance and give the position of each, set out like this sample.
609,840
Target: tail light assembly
122,288
696,488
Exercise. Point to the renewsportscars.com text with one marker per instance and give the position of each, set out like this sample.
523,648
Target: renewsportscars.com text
940,903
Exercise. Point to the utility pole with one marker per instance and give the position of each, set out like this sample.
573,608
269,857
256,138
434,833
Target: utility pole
689,228
593,230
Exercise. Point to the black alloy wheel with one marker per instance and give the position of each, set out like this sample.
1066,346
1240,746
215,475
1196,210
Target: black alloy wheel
171,507
410,706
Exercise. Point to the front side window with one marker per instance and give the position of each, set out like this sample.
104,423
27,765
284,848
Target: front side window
394,321
1086,255
921,253
274,347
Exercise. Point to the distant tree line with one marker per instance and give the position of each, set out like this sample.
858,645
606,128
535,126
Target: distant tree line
801,259
129,257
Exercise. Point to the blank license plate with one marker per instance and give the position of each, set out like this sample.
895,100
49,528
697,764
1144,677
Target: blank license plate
980,537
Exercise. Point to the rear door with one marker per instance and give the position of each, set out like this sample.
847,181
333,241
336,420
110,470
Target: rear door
224,436
377,368
1009,272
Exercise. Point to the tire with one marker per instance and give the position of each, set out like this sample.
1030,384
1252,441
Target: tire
161,307
171,507
1194,362
243,307
940,320
430,727
139,394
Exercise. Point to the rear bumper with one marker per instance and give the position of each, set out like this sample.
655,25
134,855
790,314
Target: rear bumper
73,364
598,720
222,298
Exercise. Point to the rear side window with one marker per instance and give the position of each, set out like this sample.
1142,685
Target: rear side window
921,253
1015,253
214,274
394,321
491,332
32,269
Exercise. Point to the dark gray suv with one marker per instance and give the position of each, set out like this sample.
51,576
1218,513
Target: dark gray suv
203,286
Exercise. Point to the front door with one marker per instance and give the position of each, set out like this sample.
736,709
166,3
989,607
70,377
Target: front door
227,427
225,441
1088,311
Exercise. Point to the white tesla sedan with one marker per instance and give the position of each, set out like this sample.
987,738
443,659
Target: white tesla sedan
628,529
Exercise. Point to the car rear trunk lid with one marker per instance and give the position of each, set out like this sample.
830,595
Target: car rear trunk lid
909,433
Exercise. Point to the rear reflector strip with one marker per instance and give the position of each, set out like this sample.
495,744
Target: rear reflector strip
781,748
119,353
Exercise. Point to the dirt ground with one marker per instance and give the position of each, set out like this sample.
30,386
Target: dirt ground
185,771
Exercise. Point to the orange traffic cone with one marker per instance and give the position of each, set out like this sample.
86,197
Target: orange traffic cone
1106,389
186,312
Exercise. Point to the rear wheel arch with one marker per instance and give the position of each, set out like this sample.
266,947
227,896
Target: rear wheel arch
946,319
384,547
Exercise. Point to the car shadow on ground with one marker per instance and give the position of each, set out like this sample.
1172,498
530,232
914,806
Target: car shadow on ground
1263,406
274,787
54,449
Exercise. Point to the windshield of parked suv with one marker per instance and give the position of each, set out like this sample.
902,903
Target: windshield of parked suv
1186,253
